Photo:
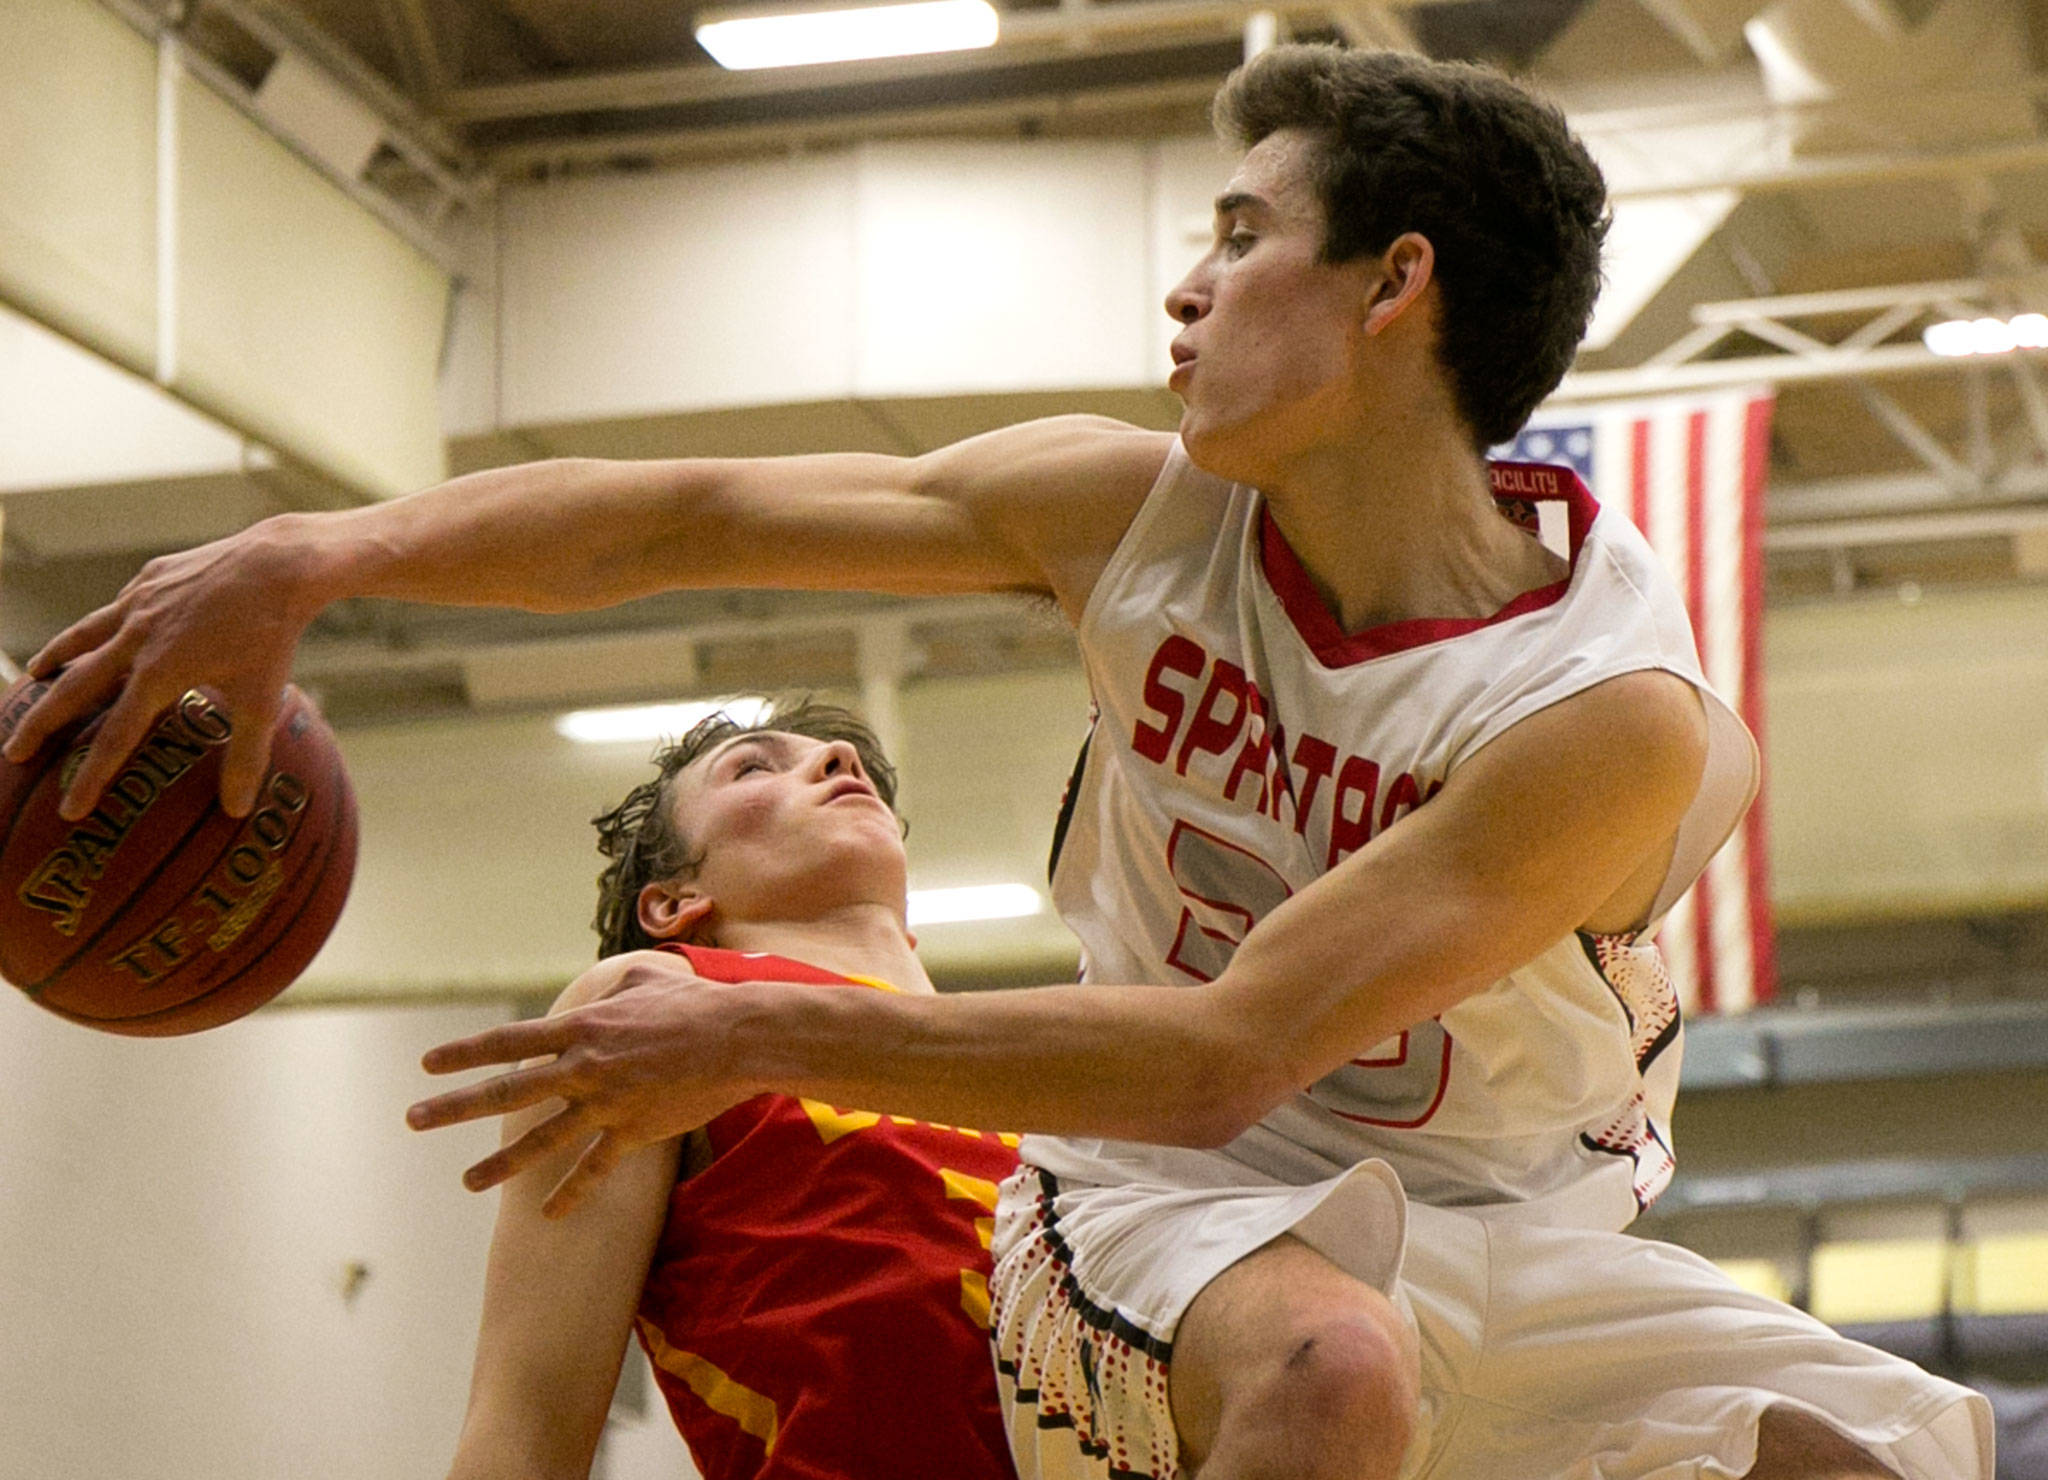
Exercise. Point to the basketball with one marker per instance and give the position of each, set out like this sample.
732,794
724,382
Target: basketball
157,913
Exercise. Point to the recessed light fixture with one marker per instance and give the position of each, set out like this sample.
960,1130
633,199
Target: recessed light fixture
1987,336
973,902
641,723
742,40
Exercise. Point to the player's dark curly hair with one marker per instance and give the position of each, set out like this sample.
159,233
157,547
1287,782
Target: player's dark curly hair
1508,197
640,838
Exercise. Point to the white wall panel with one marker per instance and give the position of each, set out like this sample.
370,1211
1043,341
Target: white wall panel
1187,176
1001,267
302,319
78,174
469,374
719,286
896,270
177,1218
69,418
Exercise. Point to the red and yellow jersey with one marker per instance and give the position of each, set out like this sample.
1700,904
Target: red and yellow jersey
818,1304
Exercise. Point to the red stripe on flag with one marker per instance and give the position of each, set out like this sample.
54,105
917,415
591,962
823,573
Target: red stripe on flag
1695,606
1639,475
1756,467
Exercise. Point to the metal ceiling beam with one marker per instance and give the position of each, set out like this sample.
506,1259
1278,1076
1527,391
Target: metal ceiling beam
1130,24
325,661
1775,1047
838,128
422,234
1857,355
426,143
1756,106
1741,311
1649,380
1366,24
410,29
1835,171
1929,528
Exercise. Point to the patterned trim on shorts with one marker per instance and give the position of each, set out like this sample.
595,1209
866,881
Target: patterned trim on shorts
1068,1364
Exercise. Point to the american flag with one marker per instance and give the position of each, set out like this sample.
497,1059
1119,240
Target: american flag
1690,471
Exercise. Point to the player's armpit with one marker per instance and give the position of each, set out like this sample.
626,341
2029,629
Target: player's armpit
559,1300
1527,840
1059,493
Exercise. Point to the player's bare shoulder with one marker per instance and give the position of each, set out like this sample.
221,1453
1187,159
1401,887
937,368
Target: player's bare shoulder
1059,491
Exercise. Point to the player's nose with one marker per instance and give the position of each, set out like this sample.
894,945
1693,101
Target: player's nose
1189,299
839,758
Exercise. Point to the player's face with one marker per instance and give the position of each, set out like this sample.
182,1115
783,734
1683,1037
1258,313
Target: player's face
789,828
1267,360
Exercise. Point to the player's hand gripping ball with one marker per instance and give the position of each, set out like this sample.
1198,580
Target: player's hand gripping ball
158,913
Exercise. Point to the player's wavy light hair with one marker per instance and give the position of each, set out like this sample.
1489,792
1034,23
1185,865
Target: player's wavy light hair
640,838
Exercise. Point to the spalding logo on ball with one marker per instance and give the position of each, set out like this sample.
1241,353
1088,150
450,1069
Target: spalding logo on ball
157,912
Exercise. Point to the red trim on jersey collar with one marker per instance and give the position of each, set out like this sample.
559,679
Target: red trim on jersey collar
1336,648
717,965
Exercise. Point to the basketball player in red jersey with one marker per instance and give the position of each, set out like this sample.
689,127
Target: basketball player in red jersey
810,1282
1403,265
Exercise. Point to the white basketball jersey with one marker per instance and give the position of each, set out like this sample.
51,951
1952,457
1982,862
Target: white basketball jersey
1244,745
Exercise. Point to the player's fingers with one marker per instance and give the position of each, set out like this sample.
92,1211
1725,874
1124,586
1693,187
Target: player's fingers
81,636
248,756
596,1163
76,692
124,727
505,1045
499,1096
567,1127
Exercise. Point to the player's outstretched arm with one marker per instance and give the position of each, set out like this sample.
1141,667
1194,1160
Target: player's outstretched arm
559,1301
1564,820
1033,508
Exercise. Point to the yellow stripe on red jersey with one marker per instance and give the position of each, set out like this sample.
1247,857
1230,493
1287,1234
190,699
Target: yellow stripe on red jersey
818,1302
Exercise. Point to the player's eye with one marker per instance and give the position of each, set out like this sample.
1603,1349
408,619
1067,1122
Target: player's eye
1238,243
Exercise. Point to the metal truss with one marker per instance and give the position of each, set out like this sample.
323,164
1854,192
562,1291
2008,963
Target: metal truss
1868,350
1860,336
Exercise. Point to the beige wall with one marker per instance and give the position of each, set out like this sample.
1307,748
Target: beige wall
1908,748
176,1220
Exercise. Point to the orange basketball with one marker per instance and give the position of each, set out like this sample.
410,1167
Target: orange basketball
157,913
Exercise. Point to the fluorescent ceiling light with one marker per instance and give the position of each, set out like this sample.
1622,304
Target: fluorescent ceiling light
974,902
1987,336
641,723
848,35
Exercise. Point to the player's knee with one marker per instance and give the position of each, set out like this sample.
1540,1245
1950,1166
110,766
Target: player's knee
1353,1376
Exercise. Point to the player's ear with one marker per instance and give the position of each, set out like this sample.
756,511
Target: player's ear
1405,269
672,910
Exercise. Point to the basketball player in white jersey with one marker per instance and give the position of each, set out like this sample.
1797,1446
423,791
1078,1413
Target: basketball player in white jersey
1384,796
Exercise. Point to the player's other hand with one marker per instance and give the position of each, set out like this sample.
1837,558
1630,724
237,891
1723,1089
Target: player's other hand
227,615
642,1061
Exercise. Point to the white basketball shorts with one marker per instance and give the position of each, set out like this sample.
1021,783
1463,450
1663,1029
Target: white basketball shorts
1555,1353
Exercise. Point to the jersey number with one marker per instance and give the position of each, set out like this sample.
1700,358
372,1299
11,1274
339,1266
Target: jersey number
1225,890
